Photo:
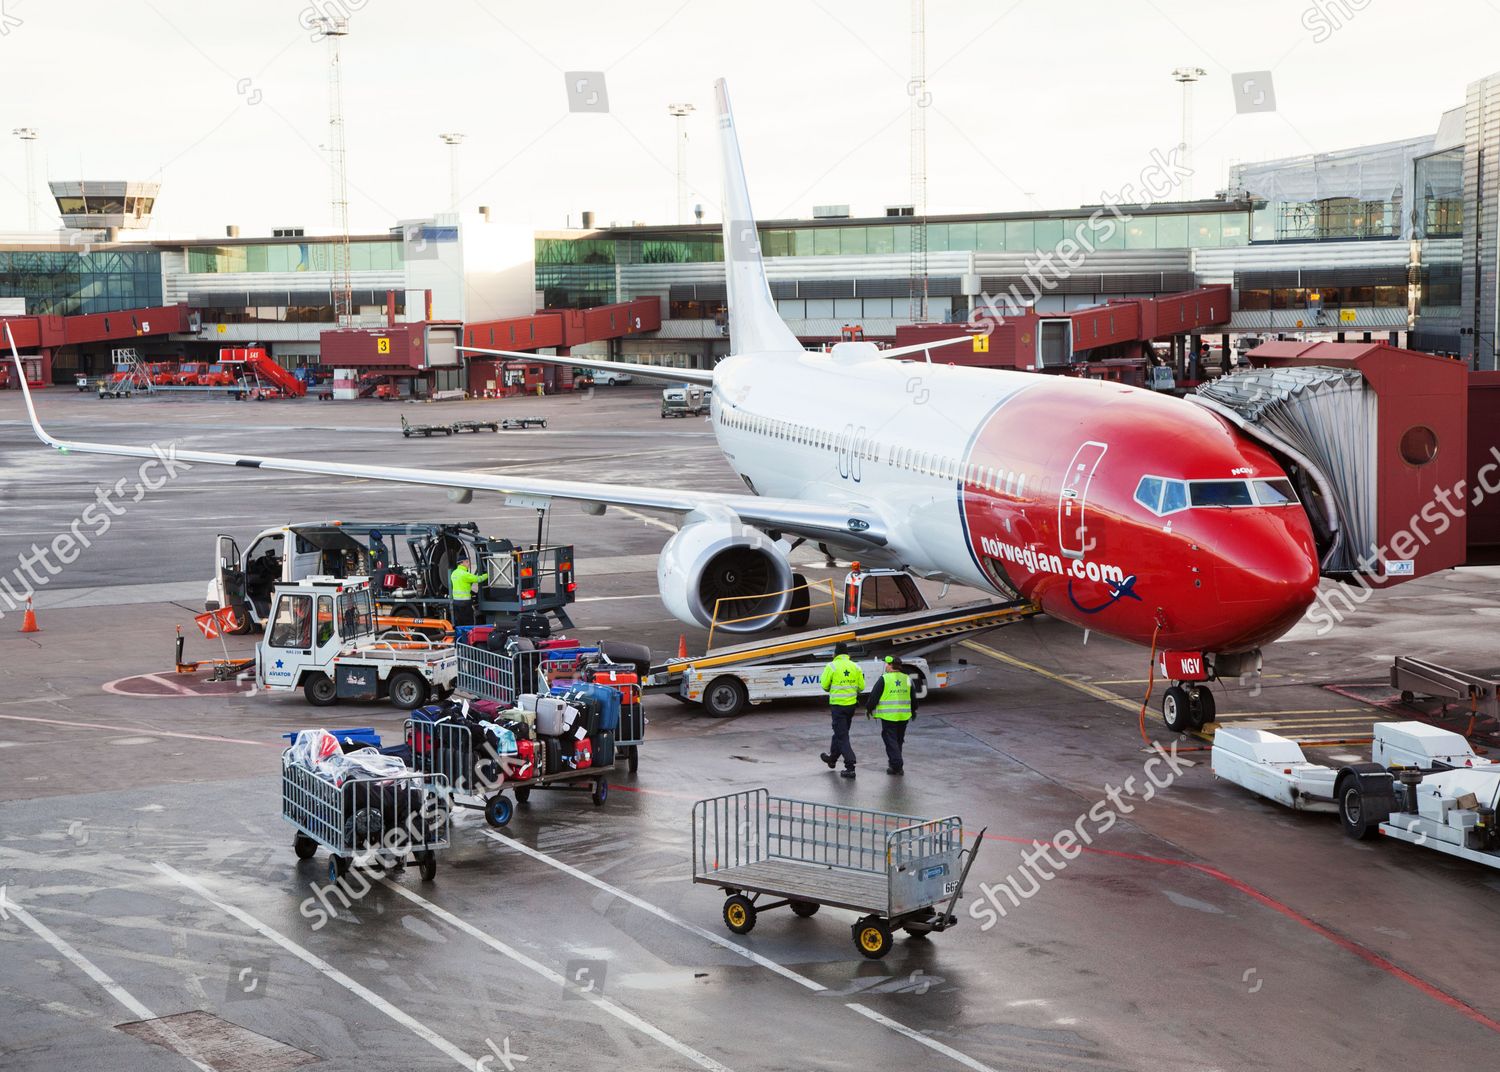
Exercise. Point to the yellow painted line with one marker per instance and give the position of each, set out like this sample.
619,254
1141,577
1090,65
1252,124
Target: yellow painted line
1083,687
1315,711
1142,680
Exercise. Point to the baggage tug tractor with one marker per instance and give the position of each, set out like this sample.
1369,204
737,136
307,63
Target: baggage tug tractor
320,638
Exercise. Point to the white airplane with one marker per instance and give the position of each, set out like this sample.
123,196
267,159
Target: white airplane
1120,510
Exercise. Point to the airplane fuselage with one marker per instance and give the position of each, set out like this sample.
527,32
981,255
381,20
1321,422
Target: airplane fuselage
1117,509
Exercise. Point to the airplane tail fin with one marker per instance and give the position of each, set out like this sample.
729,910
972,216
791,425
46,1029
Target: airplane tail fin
754,324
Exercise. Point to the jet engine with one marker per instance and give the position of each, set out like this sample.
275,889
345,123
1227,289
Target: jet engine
714,560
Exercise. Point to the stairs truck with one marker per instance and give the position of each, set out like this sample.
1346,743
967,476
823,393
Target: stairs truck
257,367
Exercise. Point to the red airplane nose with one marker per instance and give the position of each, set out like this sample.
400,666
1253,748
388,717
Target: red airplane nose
1266,585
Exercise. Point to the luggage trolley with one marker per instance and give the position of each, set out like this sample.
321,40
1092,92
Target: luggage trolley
479,777
370,818
504,676
897,870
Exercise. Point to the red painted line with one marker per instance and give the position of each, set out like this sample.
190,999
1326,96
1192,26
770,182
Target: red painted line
1349,945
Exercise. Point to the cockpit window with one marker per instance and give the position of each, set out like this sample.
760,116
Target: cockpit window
1163,496
1275,492
1148,494
1220,493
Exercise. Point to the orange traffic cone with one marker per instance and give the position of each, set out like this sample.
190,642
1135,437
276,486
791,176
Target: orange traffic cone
28,620
681,644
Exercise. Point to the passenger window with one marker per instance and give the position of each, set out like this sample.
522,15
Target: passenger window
1220,493
1148,493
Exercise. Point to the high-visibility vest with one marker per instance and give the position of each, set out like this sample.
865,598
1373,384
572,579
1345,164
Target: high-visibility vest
842,679
461,582
895,697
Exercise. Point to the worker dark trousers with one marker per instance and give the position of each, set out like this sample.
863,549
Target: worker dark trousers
463,612
893,734
842,717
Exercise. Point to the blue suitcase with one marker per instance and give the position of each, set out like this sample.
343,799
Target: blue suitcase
604,749
606,701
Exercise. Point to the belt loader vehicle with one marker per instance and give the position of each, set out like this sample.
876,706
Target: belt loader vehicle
882,613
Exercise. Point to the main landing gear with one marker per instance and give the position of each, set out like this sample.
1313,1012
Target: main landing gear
1187,706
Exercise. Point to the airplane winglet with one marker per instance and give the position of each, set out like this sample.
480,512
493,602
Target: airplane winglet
36,423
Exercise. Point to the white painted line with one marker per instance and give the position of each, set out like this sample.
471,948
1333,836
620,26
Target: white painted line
648,519
96,973
620,1013
123,730
735,947
324,968
916,1036
181,690
677,921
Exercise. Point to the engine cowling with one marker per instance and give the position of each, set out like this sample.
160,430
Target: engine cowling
717,558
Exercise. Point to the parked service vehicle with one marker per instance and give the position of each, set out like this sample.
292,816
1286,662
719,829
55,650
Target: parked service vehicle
1423,785
321,639
609,377
409,565
882,613
684,400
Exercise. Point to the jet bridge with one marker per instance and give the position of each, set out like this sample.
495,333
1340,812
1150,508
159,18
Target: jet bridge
1376,439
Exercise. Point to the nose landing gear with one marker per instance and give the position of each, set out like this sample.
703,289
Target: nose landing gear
1187,706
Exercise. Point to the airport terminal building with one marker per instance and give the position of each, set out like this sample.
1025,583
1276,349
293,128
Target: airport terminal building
1392,241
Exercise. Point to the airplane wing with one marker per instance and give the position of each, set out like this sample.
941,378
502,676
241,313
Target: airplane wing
816,521
650,372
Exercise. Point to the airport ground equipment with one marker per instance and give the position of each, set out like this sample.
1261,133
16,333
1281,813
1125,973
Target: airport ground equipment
516,424
426,431
503,676
321,639
409,565
363,819
480,778
882,613
684,400
900,872
474,426
1418,677
1423,785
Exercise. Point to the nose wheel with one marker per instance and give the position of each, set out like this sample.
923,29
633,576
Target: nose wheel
1187,707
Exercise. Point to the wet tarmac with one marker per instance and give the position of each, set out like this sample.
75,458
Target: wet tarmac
155,916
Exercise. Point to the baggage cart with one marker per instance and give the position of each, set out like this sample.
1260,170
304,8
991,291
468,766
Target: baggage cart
426,431
479,778
898,871
504,676
475,426
515,424
366,820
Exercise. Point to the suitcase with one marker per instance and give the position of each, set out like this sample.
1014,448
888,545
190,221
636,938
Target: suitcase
582,756
527,701
552,755
420,737
475,634
612,674
485,710
533,625
524,765
605,702
498,639
555,716
604,749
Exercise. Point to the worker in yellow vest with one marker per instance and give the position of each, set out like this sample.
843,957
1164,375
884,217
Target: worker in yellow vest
894,702
461,584
843,680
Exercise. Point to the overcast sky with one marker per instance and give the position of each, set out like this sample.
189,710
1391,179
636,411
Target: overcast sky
1034,103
